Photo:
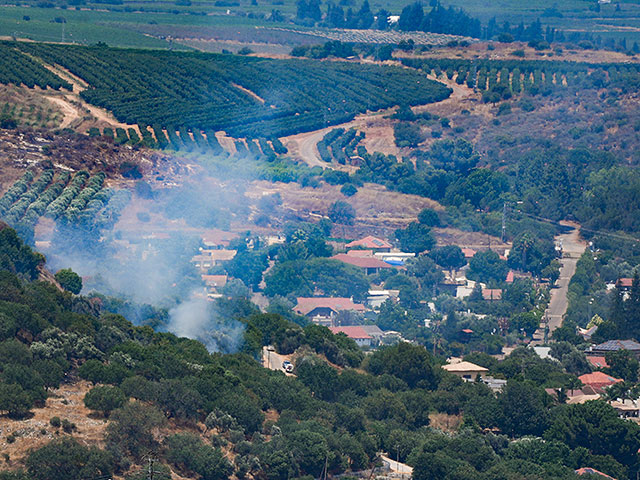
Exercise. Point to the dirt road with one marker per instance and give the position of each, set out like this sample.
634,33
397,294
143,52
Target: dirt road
273,360
378,129
572,248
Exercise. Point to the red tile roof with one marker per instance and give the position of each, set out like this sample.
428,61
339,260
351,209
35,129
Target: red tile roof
492,293
362,262
355,332
509,278
214,280
468,252
598,379
369,242
308,304
598,362
215,237
592,471
625,282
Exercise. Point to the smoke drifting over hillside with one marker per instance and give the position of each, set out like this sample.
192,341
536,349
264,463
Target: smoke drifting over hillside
147,263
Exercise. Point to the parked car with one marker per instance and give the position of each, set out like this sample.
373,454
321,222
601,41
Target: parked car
287,366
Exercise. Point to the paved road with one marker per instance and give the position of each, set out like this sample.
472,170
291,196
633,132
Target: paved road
572,248
397,466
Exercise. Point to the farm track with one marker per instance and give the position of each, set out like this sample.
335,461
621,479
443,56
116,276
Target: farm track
79,114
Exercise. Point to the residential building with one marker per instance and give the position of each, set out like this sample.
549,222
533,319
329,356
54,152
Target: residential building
356,333
369,265
597,361
468,252
377,297
394,258
207,258
598,380
492,294
592,472
465,370
614,346
217,239
624,284
213,283
370,243
374,332
322,310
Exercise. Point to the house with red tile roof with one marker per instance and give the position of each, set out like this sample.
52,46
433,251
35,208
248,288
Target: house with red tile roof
322,310
213,284
624,284
593,471
492,294
356,333
361,253
510,277
370,265
217,239
598,380
597,362
370,243
468,252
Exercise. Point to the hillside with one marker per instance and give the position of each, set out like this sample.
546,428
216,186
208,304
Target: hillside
216,416
417,242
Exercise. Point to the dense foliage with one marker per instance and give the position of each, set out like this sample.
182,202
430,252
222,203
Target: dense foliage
323,419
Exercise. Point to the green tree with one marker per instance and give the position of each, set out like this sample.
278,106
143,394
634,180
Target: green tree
105,399
69,280
66,459
342,213
416,238
248,266
487,266
524,410
449,256
131,429
310,451
14,400
429,217
411,363
596,425
188,450
623,364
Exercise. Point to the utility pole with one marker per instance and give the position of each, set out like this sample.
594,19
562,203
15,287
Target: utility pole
150,473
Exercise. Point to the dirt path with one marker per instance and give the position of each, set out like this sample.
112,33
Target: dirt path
378,129
70,113
79,114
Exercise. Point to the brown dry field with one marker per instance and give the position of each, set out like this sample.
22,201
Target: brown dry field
30,431
67,403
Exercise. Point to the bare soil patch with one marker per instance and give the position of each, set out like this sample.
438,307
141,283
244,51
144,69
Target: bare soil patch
65,403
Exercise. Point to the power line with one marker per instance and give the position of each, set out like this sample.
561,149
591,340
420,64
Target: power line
619,236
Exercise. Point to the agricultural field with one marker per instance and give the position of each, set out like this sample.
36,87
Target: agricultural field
17,68
340,146
244,96
79,199
502,79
